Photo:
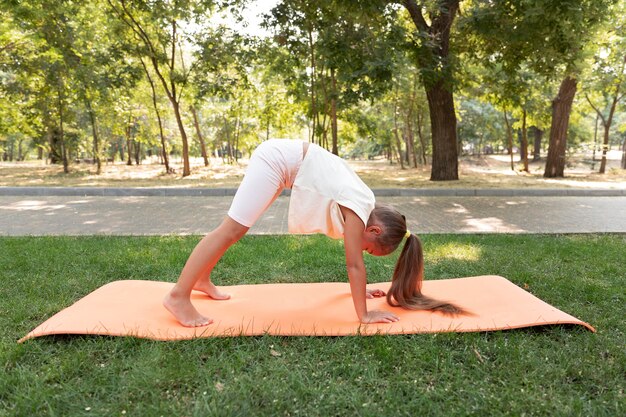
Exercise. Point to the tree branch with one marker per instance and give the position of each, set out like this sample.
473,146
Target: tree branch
173,60
128,19
415,11
596,109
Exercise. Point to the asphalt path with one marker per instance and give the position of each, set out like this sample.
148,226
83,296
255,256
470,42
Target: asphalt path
25,213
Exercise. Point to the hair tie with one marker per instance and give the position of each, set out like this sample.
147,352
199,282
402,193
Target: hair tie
407,234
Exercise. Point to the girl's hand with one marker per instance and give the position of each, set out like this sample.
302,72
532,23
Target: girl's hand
379,316
374,293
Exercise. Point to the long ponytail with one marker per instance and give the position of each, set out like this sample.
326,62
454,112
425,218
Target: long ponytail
406,285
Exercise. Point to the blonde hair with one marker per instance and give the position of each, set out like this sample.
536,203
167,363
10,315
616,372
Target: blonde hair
408,275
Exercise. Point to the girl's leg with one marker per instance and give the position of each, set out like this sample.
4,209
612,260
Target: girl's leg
197,270
273,167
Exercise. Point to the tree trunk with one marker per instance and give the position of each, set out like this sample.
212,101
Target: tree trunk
183,136
433,59
129,143
164,155
410,144
595,142
443,127
395,131
421,137
605,148
509,135
333,111
238,124
137,149
96,139
53,149
624,154
524,151
170,88
538,133
607,129
66,168
313,98
561,108
20,156
200,137
121,148
411,148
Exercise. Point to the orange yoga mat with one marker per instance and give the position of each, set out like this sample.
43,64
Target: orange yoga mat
133,308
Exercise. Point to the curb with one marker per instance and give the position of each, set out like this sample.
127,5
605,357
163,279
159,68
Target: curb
380,192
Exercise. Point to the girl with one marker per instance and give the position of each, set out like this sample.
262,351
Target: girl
327,197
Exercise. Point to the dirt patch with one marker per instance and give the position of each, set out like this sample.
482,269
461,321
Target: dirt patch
491,171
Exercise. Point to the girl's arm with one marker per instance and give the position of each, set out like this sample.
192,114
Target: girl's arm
353,242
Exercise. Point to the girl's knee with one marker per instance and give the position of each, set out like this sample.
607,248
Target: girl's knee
232,231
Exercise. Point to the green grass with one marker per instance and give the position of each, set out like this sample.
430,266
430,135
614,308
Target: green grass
556,370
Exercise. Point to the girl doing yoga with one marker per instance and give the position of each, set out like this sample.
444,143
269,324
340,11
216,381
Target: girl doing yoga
327,197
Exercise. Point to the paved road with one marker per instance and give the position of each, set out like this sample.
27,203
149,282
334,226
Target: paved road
23,215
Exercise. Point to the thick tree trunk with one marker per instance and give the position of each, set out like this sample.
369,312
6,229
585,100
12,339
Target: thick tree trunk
435,64
200,137
443,127
561,108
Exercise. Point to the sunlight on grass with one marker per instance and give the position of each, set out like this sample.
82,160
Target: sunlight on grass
455,251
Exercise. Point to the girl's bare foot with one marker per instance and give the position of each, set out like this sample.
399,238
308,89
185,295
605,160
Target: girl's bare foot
184,311
210,289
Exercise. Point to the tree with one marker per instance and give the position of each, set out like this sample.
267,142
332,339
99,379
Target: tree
157,27
549,37
49,27
607,80
157,113
432,43
337,56
100,69
224,59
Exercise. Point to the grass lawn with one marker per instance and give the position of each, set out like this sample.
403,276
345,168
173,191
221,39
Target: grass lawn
556,370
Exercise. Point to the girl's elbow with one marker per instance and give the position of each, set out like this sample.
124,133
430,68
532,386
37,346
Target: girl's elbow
355,269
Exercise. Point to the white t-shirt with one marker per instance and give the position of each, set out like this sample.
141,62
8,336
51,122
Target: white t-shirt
323,183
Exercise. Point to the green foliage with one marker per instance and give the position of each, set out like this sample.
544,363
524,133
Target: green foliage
71,71
333,52
548,36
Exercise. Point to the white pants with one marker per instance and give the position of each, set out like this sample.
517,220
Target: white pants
273,167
